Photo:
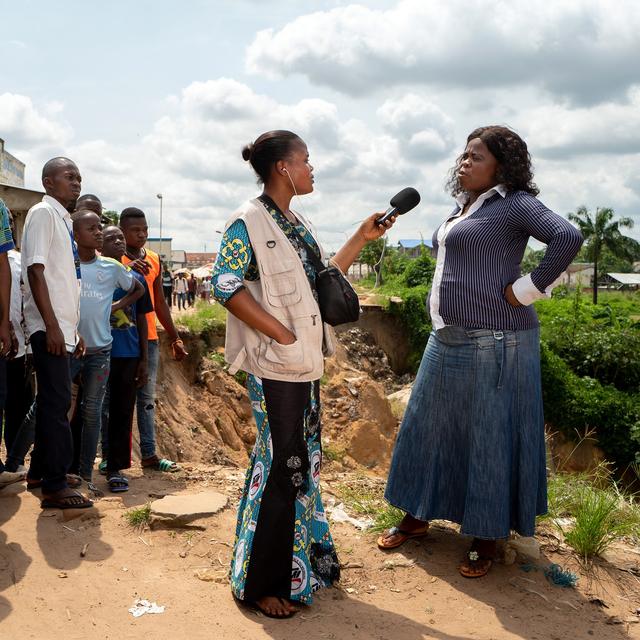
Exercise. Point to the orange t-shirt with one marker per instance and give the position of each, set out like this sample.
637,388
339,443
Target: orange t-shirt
152,259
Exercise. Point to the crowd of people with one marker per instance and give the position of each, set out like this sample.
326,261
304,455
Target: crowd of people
182,291
78,308
470,448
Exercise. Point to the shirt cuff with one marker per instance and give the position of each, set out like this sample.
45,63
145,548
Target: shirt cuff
27,262
527,293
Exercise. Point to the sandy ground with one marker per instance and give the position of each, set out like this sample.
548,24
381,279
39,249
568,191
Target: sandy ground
48,591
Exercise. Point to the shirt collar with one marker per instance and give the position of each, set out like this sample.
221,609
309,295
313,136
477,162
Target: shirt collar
500,189
60,210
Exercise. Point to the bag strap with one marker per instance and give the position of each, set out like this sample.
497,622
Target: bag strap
318,265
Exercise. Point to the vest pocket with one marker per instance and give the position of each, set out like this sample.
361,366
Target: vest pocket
280,283
283,358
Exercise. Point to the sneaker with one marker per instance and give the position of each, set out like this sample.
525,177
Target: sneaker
9,477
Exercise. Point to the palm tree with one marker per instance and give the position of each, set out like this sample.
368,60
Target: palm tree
600,231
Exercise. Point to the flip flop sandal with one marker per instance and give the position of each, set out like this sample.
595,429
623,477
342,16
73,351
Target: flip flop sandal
66,502
477,565
10,477
402,537
102,468
160,464
95,492
118,483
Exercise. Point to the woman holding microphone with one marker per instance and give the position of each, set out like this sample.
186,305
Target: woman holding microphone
266,279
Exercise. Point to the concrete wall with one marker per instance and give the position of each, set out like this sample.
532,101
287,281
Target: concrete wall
11,169
19,202
154,245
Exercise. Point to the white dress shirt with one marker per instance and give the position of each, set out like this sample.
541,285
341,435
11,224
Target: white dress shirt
47,240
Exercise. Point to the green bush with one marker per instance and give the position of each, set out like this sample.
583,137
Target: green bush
395,262
412,312
576,405
420,270
601,342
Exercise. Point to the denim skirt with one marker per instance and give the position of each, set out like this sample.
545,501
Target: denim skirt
471,446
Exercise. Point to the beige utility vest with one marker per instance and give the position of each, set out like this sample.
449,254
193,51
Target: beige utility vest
283,290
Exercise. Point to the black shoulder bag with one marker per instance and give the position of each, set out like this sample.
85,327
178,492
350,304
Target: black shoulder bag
337,299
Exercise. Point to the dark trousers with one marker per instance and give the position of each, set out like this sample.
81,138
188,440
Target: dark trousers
53,447
122,400
269,572
19,398
3,392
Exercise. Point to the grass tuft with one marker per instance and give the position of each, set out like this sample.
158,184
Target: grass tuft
602,513
204,318
368,500
331,453
138,517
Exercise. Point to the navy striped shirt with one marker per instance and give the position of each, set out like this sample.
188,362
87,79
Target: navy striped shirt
483,255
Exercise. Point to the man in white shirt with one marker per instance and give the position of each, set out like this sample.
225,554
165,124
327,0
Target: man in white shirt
182,288
51,313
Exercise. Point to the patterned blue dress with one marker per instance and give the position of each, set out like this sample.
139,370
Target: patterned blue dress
283,546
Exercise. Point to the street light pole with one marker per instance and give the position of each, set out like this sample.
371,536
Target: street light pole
159,196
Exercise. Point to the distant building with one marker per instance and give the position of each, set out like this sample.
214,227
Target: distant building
178,259
412,249
195,260
164,252
578,274
12,191
11,169
622,281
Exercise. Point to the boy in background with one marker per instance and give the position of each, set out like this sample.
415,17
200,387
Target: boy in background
129,363
135,229
101,277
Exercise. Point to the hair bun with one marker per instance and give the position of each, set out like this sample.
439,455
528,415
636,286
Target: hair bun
247,152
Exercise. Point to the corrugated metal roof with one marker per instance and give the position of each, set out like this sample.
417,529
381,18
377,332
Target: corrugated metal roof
626,278
412,244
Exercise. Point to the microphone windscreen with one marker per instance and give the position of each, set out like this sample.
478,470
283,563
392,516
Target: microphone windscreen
405,200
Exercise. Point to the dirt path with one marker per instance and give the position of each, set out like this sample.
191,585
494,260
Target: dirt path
47,591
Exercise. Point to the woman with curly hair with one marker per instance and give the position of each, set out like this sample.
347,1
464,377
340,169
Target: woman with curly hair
471,445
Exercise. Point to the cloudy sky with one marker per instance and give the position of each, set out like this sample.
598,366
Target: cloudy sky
160,96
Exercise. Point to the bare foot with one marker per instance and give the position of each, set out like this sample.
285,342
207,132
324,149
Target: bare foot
276,607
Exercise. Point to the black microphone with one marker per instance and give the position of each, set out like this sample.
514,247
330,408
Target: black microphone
402,202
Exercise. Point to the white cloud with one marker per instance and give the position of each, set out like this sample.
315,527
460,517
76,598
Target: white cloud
425,130
28,126
557,130
582,49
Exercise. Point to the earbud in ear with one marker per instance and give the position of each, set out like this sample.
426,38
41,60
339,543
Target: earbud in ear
284,170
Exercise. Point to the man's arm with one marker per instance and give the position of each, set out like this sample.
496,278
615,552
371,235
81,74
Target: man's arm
134,294
5,304
164,315
143,336
55,338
